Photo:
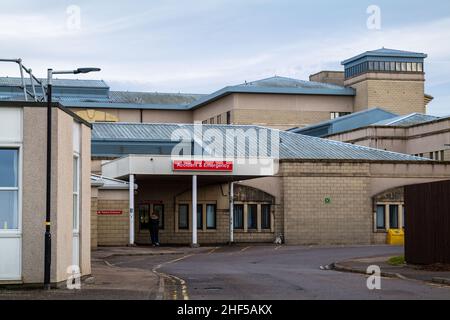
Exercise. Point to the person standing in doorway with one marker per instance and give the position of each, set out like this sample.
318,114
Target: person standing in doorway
154,228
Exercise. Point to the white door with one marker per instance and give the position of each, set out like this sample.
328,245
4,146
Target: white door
76,211
10,220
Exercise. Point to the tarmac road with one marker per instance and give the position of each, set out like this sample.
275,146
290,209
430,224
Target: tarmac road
288,272
238,272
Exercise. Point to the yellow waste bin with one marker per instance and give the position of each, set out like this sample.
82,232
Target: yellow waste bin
395,237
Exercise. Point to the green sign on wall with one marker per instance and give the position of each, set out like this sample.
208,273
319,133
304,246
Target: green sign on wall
327,200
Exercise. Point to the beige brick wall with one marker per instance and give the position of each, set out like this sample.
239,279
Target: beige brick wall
347,219
279,120
113,230
447,155
94,219
395,95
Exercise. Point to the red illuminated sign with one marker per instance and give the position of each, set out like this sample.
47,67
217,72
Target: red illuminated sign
109,212
202,165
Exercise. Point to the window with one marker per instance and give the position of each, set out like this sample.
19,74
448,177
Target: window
408,67
199,216
238,216
335,115
210,216
403,215
380,218
414,67
403,66
376,66
205,122
159,208
370,65
392,66
252,216
398,66
9,189
393,216
219,119
382,66
145,210
211,121
76,192
420,67
144,216
228,117
265,216
183,216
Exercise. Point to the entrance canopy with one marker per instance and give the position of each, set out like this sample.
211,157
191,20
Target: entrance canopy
160,165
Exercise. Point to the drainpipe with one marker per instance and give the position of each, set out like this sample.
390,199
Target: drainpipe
194,211
231,209
131,200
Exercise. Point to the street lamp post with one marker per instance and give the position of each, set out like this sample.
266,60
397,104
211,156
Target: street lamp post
48,238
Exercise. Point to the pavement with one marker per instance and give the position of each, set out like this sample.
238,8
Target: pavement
403,271
239,272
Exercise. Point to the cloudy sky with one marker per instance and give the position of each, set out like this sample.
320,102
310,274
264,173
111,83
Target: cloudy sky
199,46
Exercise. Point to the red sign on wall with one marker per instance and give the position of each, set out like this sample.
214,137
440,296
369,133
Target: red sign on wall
109,212
202,165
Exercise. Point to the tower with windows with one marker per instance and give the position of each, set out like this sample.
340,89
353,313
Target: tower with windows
391,79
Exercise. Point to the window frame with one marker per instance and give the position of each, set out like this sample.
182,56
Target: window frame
228,117
384,217
255,205
215,216
161,214
264,227
234,218
76,193
187,216
18,188
200,219
390,215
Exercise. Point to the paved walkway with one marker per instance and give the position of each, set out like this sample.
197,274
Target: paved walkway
400,271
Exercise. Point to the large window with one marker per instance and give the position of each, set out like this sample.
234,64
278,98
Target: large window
238,216
159,208
144,216
210,216
380,218
265,216
183,216
145,211
252,216
76,192
393,216
9,189
199,216
335,115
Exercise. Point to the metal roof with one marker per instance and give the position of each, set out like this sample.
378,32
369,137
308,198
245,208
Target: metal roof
156,98
109,183
74,83
291,145
349,122
406,121
385,52
87,93
277,85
